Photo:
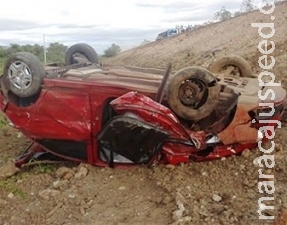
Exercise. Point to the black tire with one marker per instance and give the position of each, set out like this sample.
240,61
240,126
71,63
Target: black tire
235,61
79,53
23,74
202,90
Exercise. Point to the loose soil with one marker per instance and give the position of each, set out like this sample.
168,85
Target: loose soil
221,192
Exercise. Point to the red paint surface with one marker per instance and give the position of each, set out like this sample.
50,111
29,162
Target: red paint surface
73,110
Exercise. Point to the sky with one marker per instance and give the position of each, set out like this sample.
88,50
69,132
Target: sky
126,23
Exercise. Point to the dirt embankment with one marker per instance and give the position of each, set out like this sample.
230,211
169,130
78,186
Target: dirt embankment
204,45
221,192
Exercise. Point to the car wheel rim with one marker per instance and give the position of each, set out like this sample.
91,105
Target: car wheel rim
20,75
192,92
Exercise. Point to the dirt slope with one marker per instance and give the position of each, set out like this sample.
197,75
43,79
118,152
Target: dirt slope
235,36
222,192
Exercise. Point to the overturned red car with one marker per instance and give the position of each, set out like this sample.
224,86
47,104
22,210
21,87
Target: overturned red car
118,116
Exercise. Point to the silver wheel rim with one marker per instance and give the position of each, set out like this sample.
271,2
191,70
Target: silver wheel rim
20,75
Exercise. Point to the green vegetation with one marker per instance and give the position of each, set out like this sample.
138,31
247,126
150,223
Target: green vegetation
10,186
44,168
2,61
3,121
246,6
222,15
55,52
112,51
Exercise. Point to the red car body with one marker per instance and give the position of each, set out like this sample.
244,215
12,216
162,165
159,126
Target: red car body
111,118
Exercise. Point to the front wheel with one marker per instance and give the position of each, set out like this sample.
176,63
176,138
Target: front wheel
193,93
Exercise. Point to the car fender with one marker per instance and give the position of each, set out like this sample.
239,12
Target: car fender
151,112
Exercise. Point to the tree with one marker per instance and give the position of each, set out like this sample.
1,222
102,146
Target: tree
38,51
112,51
35,49
3,52
56,52
247,6
222,15
268,2
13,48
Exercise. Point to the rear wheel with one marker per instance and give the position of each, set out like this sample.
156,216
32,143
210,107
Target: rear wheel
81,53
193,93
231,66
23,74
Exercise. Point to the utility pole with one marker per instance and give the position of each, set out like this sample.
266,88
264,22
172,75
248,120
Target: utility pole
44,48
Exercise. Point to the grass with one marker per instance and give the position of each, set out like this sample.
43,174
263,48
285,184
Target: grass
3,121
2,61
10,186
44,168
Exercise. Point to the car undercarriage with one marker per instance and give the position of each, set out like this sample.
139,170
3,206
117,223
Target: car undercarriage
124,115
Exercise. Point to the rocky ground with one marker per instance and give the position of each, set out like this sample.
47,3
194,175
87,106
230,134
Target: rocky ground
221,192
